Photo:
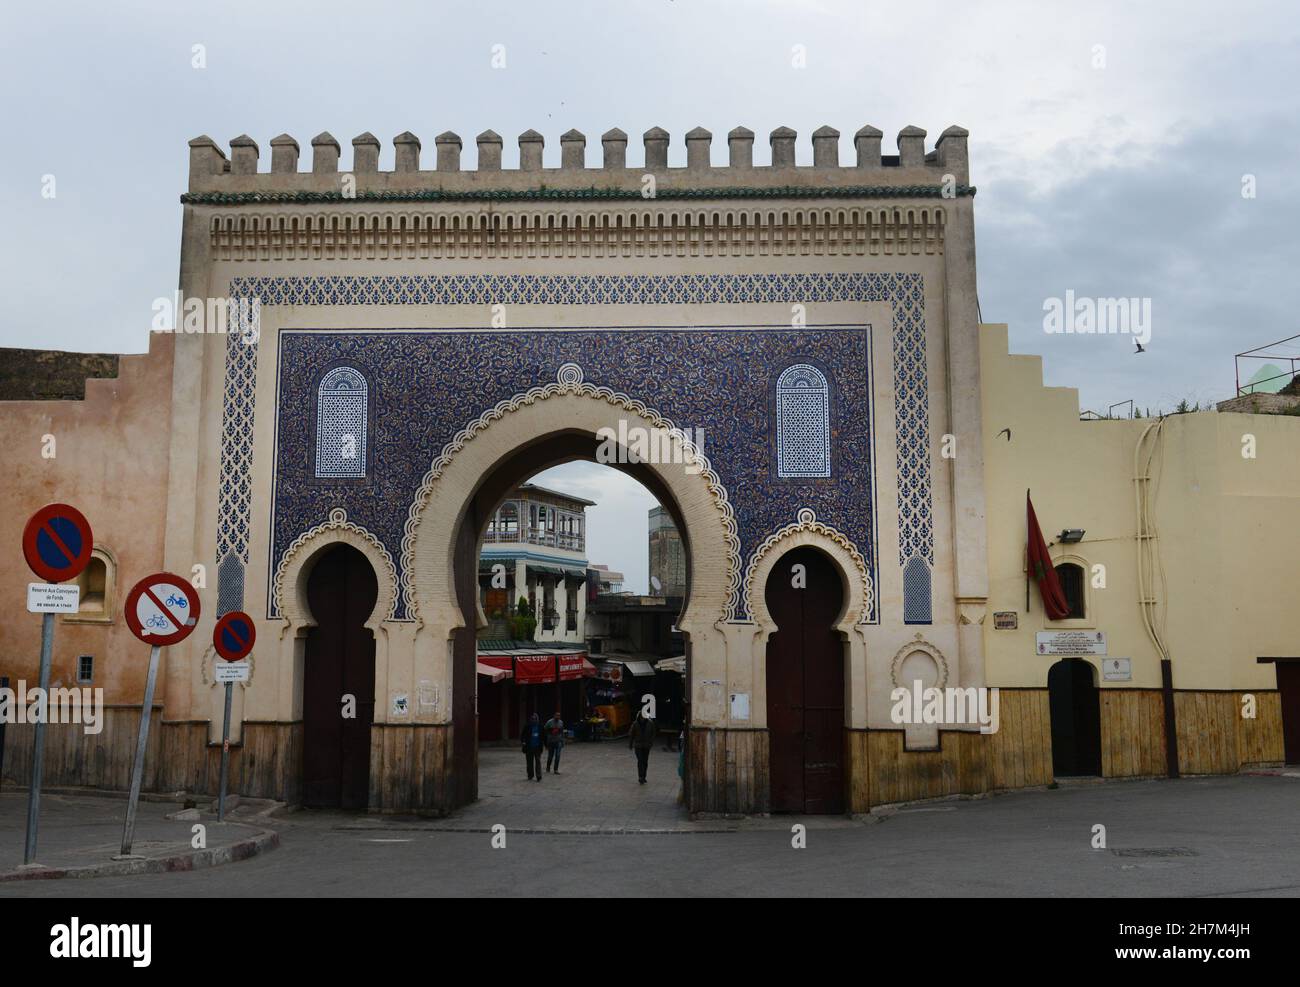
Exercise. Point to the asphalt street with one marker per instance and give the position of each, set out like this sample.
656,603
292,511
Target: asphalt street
1223,836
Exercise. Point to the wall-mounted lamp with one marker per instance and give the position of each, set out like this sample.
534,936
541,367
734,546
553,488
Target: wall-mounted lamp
1071,535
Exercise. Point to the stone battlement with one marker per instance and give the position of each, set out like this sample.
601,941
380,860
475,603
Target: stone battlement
912,173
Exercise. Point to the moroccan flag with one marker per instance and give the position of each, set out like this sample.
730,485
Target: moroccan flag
1042,570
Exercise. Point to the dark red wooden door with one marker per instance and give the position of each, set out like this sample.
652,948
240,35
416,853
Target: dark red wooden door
805,686
340,661
1288,684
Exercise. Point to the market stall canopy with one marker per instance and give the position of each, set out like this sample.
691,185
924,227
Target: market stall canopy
577,572
635,666
528,662
493,674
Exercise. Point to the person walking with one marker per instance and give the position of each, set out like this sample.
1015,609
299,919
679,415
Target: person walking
553,731
641,738
531,740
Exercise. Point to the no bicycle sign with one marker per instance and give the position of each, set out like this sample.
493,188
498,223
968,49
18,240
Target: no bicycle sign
162,609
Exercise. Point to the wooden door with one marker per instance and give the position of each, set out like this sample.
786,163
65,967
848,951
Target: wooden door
340,661
1075,709
1288,684
805,685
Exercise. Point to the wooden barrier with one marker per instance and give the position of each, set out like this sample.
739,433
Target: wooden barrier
728,771
1214,738
1132,733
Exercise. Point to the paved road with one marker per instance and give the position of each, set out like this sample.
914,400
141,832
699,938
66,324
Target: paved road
1218,836
596,789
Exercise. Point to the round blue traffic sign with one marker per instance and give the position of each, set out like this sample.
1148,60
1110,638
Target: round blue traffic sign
57,543
234,635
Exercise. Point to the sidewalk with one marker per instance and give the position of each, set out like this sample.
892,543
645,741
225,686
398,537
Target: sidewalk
79,835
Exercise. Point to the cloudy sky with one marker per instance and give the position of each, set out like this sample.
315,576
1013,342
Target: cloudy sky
1109,142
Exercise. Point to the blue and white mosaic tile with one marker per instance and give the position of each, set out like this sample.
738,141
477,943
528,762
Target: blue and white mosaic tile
903,291
425,386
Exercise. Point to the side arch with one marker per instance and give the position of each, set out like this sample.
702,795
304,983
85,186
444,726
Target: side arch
859,593
856,610
289,596
290,599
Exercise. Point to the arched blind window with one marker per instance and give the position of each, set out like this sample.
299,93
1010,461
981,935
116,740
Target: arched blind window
341,424
1071,578
803,423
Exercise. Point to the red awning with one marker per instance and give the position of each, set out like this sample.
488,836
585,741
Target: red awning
529,667
534,668
494,674
576,667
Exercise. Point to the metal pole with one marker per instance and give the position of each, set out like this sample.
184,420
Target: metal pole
38,741
225,755
137,770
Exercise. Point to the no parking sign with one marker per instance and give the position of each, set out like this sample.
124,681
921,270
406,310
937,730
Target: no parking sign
162,609
233,638
57,542
234,635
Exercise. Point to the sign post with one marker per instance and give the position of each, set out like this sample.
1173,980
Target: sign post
56,544
233,638
160,610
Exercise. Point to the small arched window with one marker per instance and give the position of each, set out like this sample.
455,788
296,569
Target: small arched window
341,422
1071,579
803,423
95,587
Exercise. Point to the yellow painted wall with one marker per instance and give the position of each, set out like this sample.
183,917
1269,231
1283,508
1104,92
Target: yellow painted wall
1226,527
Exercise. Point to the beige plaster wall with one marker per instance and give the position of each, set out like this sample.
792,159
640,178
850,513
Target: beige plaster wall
111,463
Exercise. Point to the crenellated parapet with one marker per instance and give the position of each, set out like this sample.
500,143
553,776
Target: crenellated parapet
912,173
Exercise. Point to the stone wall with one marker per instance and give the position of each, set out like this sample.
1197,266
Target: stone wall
1262,404
51,375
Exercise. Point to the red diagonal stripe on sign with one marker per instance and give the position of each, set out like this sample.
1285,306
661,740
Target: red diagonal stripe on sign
159,604
58,543
232,629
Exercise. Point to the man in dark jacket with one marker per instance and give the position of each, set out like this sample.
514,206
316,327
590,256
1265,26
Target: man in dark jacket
641,738
531,740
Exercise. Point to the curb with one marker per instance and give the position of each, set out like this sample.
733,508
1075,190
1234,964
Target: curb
261,841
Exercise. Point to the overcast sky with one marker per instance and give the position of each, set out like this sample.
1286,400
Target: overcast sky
1109,142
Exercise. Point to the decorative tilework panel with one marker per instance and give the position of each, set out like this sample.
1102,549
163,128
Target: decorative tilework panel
803,426
234,491
917,589
717,380
341,424
904,292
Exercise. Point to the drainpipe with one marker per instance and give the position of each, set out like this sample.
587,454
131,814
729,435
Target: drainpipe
1148,562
